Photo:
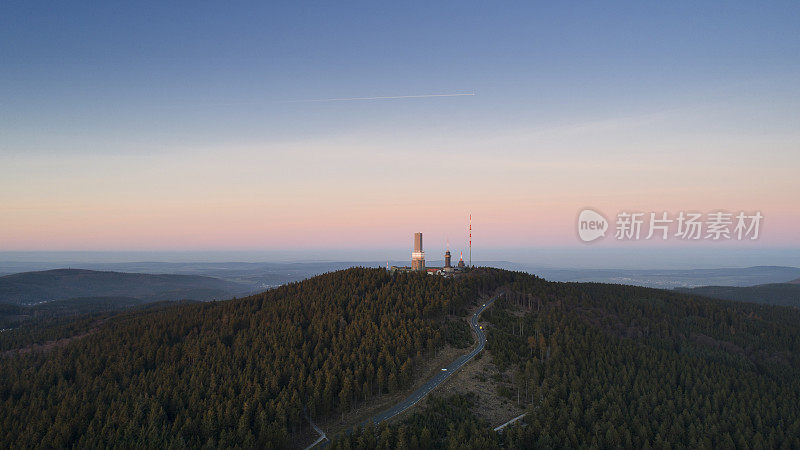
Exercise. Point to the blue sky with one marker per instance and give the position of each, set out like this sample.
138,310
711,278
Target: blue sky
219,71
138,126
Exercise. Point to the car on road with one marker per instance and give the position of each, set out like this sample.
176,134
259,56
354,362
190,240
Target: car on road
484,304
444,370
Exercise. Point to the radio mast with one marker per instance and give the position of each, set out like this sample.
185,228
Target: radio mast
470,239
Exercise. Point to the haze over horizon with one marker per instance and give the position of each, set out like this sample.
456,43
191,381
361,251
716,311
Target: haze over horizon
186,134
519,258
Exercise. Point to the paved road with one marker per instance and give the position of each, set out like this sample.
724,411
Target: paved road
431,384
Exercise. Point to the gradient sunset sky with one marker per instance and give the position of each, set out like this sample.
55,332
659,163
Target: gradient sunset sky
188,126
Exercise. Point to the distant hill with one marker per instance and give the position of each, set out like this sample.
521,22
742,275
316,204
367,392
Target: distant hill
62,284
669,278
784,294
257,277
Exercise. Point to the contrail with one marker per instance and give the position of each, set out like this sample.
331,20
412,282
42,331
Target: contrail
349,99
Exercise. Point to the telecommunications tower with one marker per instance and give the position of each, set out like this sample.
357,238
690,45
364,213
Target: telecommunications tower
418,255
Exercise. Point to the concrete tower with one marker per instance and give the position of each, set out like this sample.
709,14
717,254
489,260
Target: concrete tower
418,255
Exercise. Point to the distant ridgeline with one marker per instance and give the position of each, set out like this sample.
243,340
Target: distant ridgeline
40,298
593,364
786,294
63,284
234,373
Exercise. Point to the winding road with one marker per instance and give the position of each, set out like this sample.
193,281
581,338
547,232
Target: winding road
434,382
429,385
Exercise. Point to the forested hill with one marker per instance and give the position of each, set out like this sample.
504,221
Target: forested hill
614,366
627,366
785,294
593,365
234,373
61,284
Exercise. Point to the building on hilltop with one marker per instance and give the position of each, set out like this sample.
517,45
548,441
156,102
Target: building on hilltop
448,268
418,261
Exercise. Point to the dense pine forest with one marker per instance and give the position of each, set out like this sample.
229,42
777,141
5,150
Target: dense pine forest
441,423
241,373
653,368
611,366
592,364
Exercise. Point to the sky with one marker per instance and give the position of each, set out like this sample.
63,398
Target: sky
192,126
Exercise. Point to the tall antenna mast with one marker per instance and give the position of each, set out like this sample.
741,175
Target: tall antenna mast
470,239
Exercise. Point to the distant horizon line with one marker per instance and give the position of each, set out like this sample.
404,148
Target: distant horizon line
374,249
574,257
524,266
